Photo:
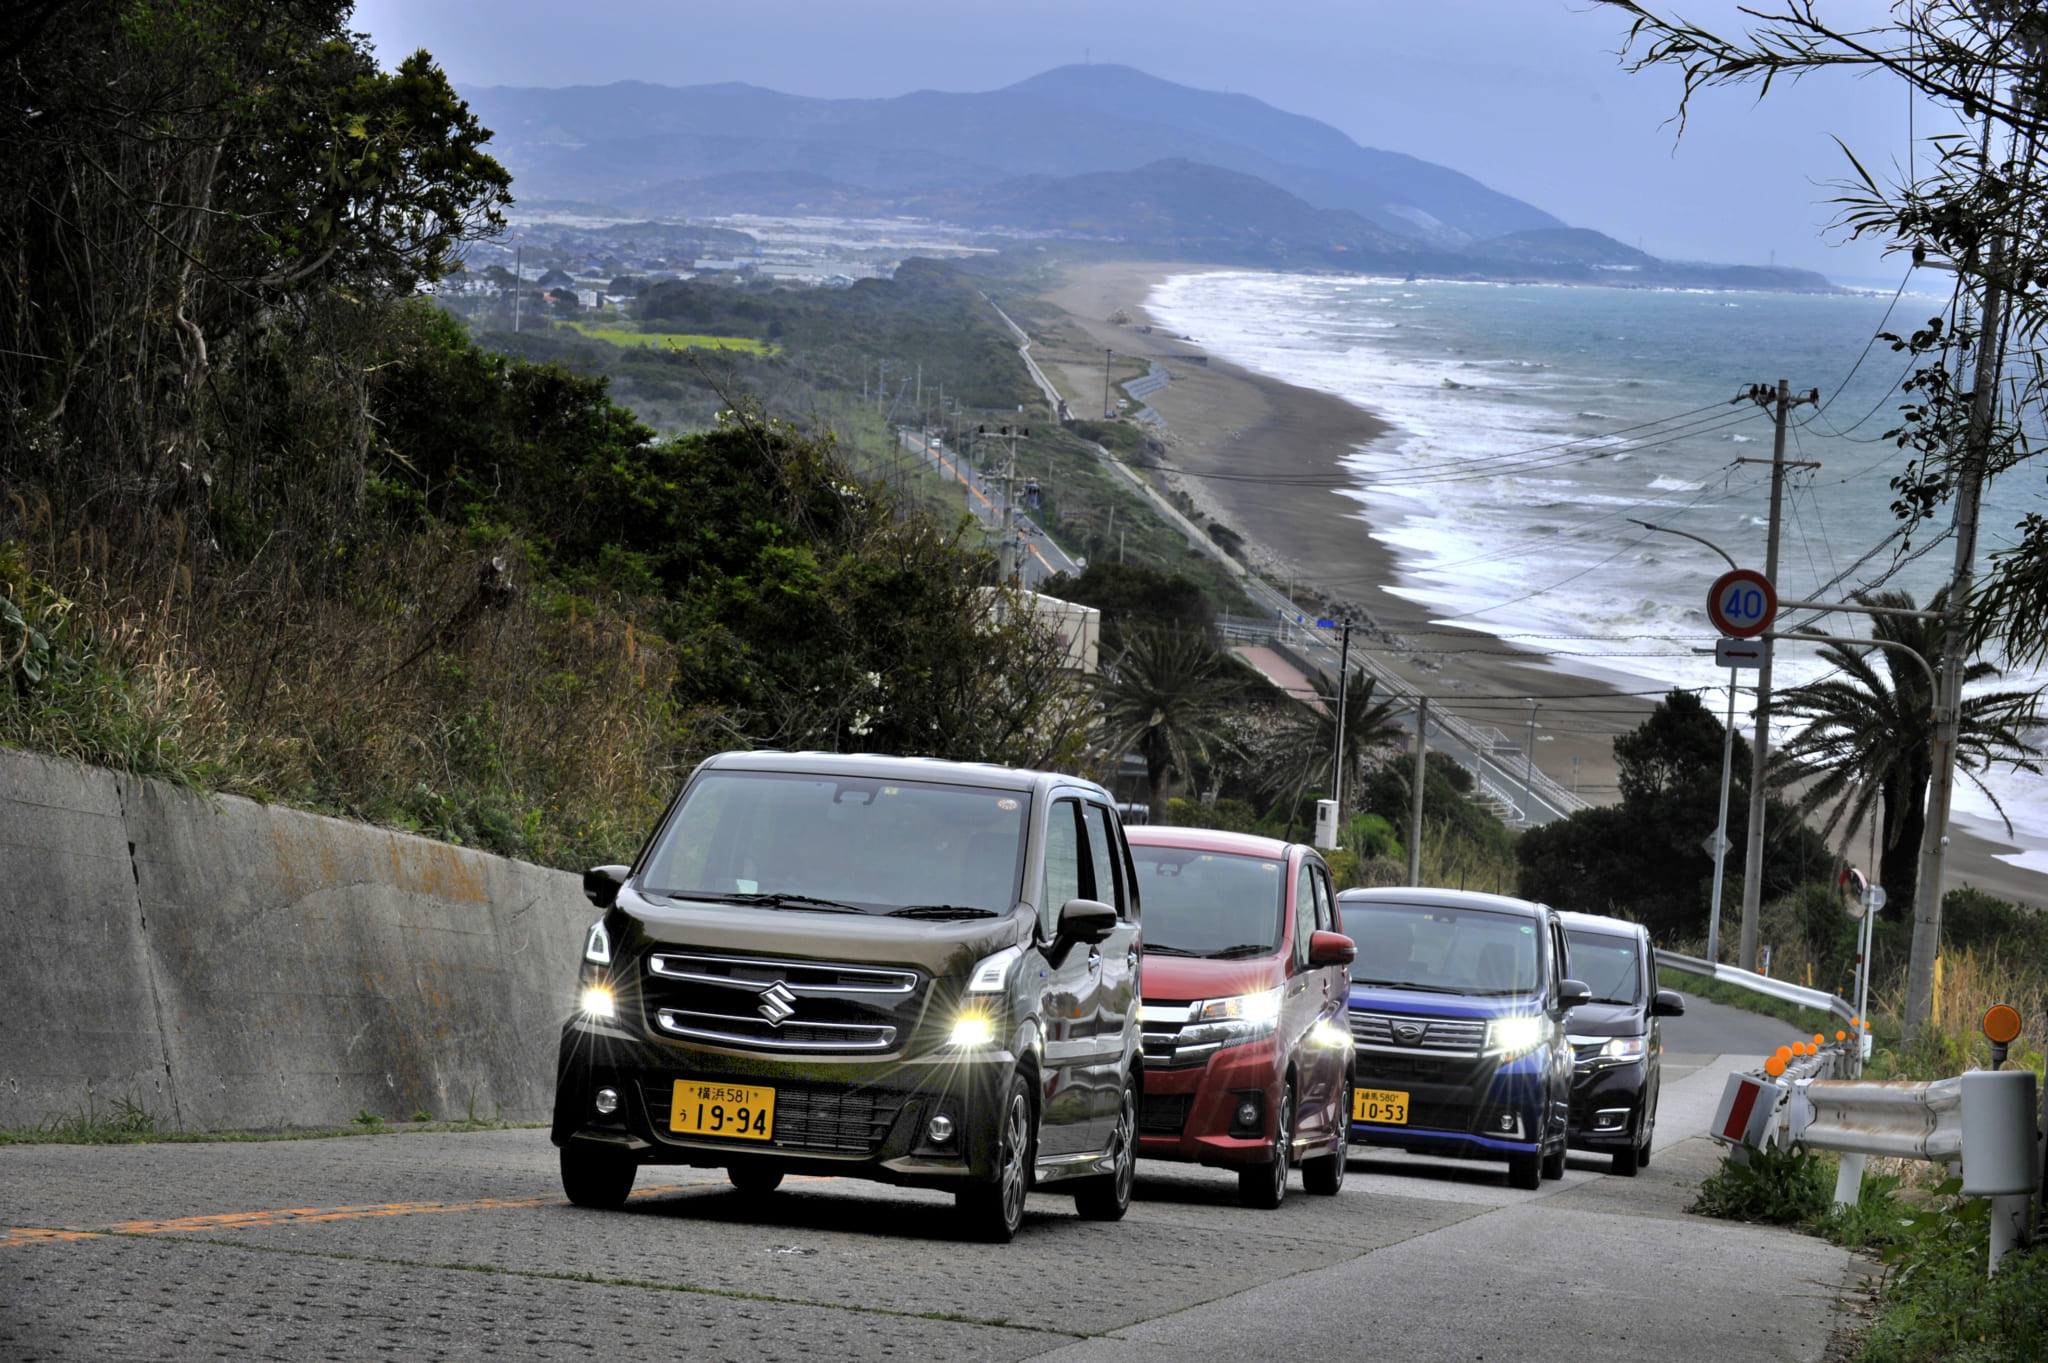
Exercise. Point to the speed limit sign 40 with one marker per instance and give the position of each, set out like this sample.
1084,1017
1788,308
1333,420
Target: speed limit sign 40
1742,603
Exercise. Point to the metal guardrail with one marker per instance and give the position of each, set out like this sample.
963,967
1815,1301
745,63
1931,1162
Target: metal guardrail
1817,999
1902,1121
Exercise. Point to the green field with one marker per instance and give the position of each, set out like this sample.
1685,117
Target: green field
673,340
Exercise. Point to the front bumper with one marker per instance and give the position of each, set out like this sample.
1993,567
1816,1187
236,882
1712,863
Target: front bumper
864,1118
1607,1099
1188,1111
1462,1106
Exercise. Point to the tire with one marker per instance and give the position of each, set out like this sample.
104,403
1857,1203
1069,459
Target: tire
1525,1171
1626,1161
1649,1130
593,1176
1325,1176
755,1179
1264,1186
1553,1163
994,1210
1107,1198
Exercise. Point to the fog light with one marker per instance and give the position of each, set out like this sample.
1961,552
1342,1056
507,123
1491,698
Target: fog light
1508,1124
597,1003
1610,1119
973,1031
1247,1113
941,1129
606,1102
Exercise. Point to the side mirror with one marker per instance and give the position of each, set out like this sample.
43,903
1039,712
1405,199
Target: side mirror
1668,1003
1086,920
1331,948
1572,993
601,884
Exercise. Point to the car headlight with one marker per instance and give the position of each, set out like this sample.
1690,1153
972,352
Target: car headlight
991,974
972,1029
1516,1035
1610,1048
597,1003
1232,1021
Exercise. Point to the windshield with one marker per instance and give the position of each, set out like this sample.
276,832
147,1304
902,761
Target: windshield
872,845
1610,966
1443,949
1209,903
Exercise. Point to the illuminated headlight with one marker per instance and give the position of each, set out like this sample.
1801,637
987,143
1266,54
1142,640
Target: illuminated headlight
1234,1020
973,1030
1515,1036
597,1003
1610,1048
597,945
1328,1033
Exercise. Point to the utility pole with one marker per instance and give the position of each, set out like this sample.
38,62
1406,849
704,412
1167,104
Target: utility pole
1948,681
1106,412
1008,564
1343,693
518,282
1415,792
1760,749
1529,761
1721,843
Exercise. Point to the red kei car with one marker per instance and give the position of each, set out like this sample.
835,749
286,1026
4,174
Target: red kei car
1248,1056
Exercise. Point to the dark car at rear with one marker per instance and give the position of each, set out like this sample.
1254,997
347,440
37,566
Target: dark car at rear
1617,1044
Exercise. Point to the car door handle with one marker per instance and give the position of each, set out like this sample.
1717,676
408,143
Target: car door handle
1131,958
1094,959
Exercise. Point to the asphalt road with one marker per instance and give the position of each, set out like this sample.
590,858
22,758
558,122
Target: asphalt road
459,1246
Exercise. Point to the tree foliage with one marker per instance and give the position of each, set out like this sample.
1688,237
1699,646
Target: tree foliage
1978,205
1168,697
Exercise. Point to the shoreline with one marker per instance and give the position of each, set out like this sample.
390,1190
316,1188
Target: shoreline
1223,419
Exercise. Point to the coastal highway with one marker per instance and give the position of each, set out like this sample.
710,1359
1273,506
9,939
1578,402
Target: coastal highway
450,1245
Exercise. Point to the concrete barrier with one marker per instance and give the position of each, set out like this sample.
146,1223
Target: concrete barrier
230,965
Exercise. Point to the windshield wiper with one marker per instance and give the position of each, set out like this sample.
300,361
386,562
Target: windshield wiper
774,901
1162,949
1406,984
1241,949
943,911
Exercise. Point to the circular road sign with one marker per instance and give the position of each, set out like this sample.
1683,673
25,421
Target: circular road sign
2001,1023
1742,603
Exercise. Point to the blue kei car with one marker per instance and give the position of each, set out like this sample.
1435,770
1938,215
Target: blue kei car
1458,1003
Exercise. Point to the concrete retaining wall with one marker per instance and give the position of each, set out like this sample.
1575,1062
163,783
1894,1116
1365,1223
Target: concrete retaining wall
234,966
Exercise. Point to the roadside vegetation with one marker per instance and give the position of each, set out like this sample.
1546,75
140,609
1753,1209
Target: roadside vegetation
124,1121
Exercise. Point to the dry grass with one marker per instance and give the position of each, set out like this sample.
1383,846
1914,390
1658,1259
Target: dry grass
429,682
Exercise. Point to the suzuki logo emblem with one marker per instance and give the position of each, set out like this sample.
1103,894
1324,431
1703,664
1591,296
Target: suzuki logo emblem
1410,1033
777,1003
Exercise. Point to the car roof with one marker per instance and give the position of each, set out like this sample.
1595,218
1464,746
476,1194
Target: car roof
1451,899
1594,922
986,774
1207,840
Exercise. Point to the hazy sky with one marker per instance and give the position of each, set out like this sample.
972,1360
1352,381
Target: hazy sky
1526,95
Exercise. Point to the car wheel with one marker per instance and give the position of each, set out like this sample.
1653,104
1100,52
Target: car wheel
757,1179
1553,1163
1325,1176
594,1176
1265,1185
1626,1160
1107,1198
1525,1171
995,1210
1649,1130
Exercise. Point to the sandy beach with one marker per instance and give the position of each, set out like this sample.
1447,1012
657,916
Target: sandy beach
1222,419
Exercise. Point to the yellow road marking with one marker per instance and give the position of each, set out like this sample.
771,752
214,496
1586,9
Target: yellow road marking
35,1235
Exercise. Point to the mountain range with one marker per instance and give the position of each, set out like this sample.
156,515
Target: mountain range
1105,152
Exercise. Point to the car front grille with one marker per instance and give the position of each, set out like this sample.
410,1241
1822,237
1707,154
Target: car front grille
1443,1036
1164,1114
807,1117
779,1006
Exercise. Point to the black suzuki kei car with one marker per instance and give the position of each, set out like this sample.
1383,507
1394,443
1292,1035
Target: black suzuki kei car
902,969
1617,1045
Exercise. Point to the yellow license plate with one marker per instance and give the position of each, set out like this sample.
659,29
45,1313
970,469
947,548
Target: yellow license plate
736,1110
1388,1107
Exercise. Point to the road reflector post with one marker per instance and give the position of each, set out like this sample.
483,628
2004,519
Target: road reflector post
2001,1024
2000,1159
1746,1112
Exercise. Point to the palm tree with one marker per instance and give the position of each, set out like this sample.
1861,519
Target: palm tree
1870,738
1308,744
1167,699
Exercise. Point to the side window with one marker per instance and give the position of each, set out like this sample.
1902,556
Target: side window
1326,904
1104,860
1560,956
1304,909
1062,861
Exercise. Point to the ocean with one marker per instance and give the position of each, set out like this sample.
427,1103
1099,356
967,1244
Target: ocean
1533,424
